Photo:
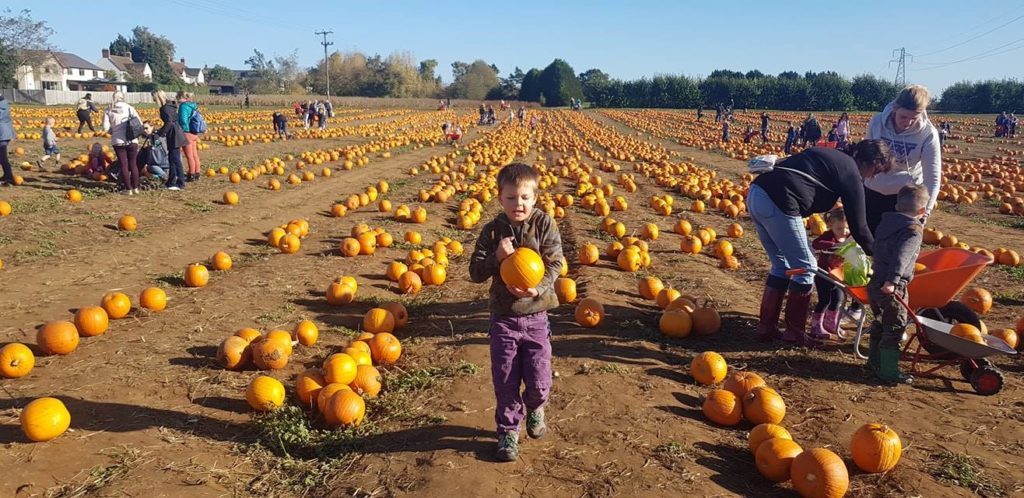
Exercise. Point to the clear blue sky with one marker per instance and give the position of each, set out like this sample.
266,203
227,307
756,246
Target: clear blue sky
625,39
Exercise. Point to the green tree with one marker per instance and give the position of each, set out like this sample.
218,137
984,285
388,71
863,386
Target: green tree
121,46
559,85
154,49
220,73
473,81
871,92
593,82
529,91
23,41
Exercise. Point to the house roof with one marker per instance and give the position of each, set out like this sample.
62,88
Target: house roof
193,71
121,62
69,60
220,83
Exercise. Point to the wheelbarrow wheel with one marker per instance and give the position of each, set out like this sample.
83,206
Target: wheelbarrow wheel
987,380
967,367
951,312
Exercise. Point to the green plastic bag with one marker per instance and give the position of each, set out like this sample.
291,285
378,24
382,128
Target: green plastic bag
856,266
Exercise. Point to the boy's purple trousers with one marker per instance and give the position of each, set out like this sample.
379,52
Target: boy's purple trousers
520,354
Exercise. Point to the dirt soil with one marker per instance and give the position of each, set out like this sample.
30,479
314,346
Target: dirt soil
153,414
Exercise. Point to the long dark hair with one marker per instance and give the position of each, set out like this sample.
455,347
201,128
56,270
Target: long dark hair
871,155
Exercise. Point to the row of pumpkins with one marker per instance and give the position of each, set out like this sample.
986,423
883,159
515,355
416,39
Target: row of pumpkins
815,473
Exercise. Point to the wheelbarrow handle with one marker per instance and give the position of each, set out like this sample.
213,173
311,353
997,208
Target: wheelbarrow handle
796,271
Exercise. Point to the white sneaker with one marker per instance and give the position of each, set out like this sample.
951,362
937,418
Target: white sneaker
173,188
137,191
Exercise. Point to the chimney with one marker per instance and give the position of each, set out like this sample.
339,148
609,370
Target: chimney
106,53
182,61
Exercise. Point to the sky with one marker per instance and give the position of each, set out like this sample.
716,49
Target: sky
950,40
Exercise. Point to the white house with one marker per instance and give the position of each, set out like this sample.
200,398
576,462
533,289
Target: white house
190,75
63,71
124,66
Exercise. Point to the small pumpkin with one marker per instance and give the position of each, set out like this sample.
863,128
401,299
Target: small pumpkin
339,294
589,254
116,304
565,289
763,432
650,287
196,275
410,283
306,332
741,382
367,381
378,320
675,323
722,407
666,296
819,473
264,393
876,448
153,299
16,360
774,458
1009,336
44,419
234,353
589,312
91,321
221,261
977,299
340,368
127,223
57,337
523,269
708,368
270,354
395,270
762,405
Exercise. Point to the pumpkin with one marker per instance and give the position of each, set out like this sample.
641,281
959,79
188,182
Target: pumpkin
367,243
1009,336
708,368
367,381
250,335
127,223
378,320
819,473
398,311
977,299
649,231
385,239
706,321
565,289
16,360
153,299
57,337
270,354
385,349
589,312
523,269
340,368
690,244
675,323
774,458
589,254
435,274
234,353
344,408
196,275
413,238
116,304
5,208
395,270
308,385
290,244
875,448
683,303
682,227
763,432
666,296
741,382
328,391
650,287
629,259
762,405
966,331
44,419
230,198
723,249
264,393
410,283
91,321
339,294
735,231
221,261
722,407
306,332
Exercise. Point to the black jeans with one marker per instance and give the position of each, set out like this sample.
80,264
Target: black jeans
127,156
176,175
84,118
875,204
6,163
890,316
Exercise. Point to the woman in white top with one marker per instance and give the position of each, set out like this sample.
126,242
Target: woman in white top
116,121
917,153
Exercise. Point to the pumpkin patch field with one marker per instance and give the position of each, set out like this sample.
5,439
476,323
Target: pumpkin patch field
300,320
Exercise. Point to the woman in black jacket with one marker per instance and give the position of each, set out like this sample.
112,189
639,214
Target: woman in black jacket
175,139
803,184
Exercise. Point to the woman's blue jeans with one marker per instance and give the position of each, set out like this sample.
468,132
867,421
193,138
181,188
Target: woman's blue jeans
783,237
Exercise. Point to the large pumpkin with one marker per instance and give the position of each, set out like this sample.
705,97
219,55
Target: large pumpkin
367,381
977,299
385,349
16,360
196,275
774,458
762,405
234,353
57,337
722,407
589,312
565,289
763,432
819,473
44,419
264,393
876,448
675,323
708,368
344,408
340,368
378,320
739,383
116,304
91,321
523,269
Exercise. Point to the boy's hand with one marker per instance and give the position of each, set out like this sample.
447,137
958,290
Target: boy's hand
516,291
888,288
505,249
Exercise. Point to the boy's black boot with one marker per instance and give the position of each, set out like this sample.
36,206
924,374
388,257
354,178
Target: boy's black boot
889,367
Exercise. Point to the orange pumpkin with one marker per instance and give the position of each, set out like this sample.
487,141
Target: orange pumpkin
16,360
763,432
690,244
741,382
523,269
876,448
367,381
435,274
116,304
340,368
345,408
819,473
127,223
57,337
650,287
326,393
589,254
270,354
385,349
339,294
221,261
629,259
398,311
708,368
666,296
977,299
675,323
774,458
234,353
153,299
44,419
762,405
395,270
308,385
410,283
264,393
306,332
589,312
196,275
378,320
706,321
1009,336
565,289
91,321
722,407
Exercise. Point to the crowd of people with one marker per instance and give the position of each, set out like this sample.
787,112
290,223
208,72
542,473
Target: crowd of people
1006,125
314,113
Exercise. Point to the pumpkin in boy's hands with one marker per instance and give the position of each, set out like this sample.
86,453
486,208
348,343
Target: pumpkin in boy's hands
524,269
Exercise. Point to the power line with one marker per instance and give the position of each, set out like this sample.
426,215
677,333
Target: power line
901,68
982,55
327,62
1011,21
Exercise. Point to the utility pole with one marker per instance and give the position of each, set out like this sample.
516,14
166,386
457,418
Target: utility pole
327,62
901,65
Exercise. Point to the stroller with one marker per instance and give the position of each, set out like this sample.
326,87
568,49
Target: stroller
932,312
